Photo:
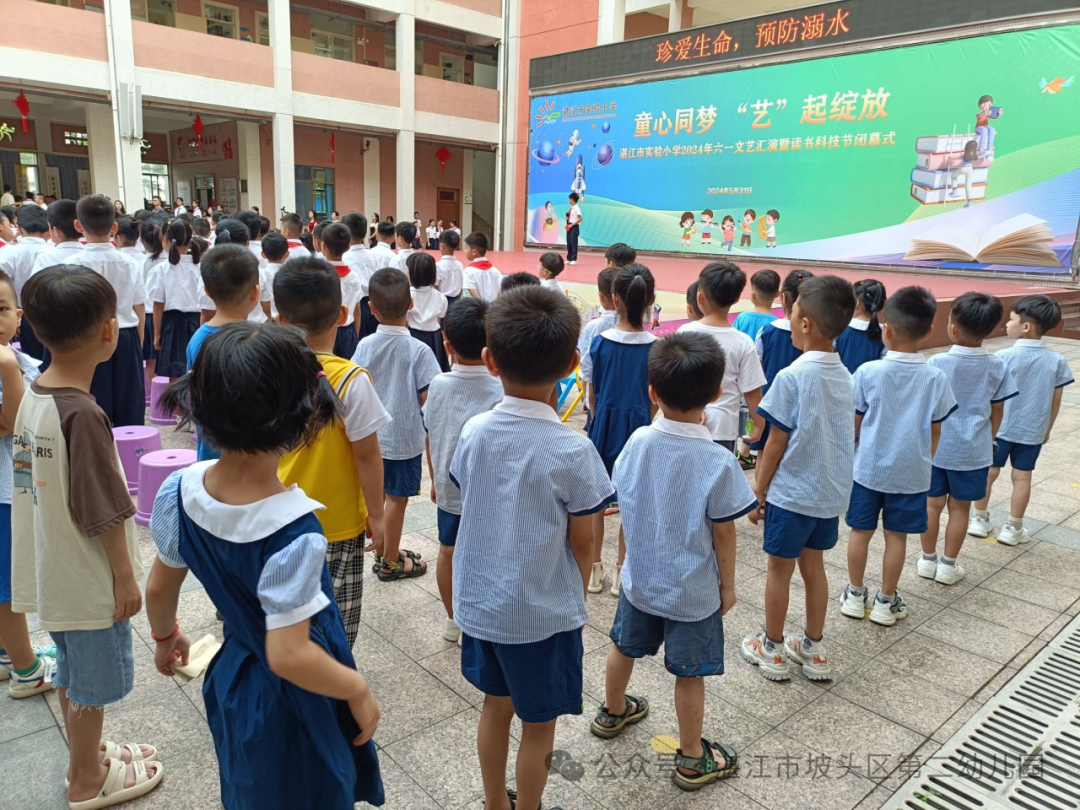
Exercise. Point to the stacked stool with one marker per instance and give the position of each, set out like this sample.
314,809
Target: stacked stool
154,468
133,442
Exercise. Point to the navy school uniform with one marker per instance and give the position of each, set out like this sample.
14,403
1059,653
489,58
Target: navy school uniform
855,346
777,352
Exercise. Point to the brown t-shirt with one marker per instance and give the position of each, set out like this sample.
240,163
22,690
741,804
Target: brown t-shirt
69,488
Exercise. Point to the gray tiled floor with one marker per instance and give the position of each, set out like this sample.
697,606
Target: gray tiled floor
898,691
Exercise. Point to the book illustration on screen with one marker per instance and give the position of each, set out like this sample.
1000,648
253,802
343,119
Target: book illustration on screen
1021,240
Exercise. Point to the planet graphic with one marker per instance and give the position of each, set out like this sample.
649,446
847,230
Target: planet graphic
606,128
545,154
603,156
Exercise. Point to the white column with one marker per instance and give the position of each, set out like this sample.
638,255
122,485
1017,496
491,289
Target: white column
128,155
468,156
284,157
372,179
611,24
674,15
249,155
505,218
405,40
105,173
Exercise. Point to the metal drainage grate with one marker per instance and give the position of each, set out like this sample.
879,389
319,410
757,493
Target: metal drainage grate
1021,751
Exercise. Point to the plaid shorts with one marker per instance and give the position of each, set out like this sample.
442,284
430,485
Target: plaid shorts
345,560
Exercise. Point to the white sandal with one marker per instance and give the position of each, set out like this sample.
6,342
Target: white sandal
113,751
113,791
596,578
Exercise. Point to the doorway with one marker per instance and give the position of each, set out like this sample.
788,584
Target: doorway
204,191
448,206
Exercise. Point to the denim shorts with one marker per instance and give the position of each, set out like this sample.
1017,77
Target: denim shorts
787,533
691,649
901,513
962,485
401,477
1022,456
96,666
448,524
5,553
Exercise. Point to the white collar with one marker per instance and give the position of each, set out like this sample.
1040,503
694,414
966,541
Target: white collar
31,240
629,338
1029,343
423,289
528,408
405,251
905,357
356,249
828,358
469,371
240,524
394,331
684,429
608,313
129,249
74,244
383,245
862,326
273,266
781,323
972,351
98,246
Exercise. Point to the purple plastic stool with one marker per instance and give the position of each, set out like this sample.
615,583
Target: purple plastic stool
146,387
154,468
157,415
133,442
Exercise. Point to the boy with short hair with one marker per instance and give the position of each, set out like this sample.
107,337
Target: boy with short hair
764,287
482,278
804,478
519,279
342,468
335,241
549,267
316,239
275,250
383,253
748,219
981,383
402,368
692,311
291,228
71,503
449,271
529,485
119,384
677,605
1041,375
7,226
900,403
253,222
453,399
772,216
19,260
65,238
405,233
620,255
719,286
363,264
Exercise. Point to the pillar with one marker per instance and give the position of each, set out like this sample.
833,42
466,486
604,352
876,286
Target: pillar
372,179
611,24
284,138
284,164
674,15
405,41
406,175
126,155
467,156
115,164
249,155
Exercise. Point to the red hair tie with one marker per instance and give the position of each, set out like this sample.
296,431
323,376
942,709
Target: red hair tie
321,373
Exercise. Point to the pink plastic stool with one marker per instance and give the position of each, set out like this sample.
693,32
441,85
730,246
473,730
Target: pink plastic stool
157,415
154,468
133,442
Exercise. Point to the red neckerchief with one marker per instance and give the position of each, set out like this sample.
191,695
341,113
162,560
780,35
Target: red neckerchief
481,264
3,243
342,270
294,243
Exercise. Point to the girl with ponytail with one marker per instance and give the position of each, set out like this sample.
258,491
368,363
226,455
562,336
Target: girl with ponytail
861,341
174,289
150,236
616,366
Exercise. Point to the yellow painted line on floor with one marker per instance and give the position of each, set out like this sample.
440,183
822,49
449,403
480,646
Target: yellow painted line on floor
663,744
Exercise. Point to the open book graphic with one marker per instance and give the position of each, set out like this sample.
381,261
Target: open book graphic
1023,239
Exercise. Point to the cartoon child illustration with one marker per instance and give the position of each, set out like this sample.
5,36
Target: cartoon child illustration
772,216
23,463
747,221
686,222
983,130
706,226
574,140
549,222
578,186
728,227
964,171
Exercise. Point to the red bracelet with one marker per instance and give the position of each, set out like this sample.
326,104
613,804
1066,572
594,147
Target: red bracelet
173,633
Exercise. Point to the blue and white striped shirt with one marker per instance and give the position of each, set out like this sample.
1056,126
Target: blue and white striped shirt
812,400
401,368
30,373
453,399
604,321
898,397
977,379
522,473
1037,371
671,568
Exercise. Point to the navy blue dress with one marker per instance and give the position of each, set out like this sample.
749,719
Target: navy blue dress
855,346
777,352
619,374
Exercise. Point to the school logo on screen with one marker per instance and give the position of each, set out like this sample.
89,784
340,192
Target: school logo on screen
546,113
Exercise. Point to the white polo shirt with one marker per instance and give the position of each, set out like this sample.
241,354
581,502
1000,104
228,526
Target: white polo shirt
103,258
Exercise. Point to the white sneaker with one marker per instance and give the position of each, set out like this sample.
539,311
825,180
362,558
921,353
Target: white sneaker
949,574
770,659
926,568
616,581
574,262
1013,537
450,630
978,526
40,680
854,604
810,656
6,669
596,578
888,613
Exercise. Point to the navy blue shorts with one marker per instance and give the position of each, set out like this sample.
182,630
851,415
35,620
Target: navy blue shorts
542,678
904,514
691,649
5,553
727,444
787,533
345,341
401,477
759,445
448,527
962,485
1022,456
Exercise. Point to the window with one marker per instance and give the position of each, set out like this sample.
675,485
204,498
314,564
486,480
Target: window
262,28
155,180
390,59
75,138
221,21
332,46
451,67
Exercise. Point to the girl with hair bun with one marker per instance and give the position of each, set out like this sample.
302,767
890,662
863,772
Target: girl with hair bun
861,341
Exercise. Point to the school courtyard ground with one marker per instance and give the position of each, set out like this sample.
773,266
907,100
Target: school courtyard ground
898,694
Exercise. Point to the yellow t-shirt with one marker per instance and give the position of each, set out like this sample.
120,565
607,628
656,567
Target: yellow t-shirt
325,469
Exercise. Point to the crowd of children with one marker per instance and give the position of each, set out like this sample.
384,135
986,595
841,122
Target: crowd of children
318,378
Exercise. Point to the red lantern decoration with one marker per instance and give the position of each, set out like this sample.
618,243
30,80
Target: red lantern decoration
197,125
442,156
23,106
331,147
